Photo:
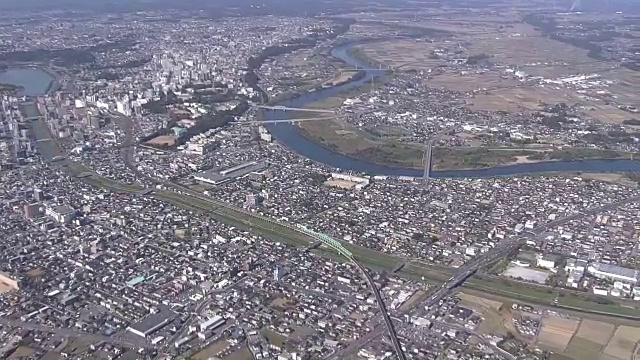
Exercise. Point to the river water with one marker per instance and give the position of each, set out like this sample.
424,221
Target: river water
37,82
289,135
33,81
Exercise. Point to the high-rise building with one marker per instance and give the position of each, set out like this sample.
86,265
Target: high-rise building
278,273
38,195
32,211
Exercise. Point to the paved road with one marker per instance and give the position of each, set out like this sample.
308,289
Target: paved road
383,310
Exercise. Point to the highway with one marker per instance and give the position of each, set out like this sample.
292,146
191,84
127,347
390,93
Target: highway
383,310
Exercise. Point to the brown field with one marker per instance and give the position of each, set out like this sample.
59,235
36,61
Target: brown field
482,302
556,332
21,352
471,82
242,354
526,50
497,318
623,342
510,42
596,331
344,184
517,99
403,54
4,288
211,350
341,77
168,140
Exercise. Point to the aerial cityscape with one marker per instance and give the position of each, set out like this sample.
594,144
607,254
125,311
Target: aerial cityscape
297,180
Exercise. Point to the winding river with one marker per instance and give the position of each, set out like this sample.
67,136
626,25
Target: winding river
289,135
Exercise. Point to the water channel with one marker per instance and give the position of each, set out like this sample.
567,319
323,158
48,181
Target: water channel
33,81
289,135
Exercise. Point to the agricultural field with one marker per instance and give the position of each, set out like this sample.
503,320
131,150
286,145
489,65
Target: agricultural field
510,44
556,332
623,343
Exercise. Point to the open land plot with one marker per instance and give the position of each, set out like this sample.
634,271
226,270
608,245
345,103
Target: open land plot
584,348
21,352
168,140
340,78
496,317
274,338
623,342
242,354
596,331
521,50
482,302
4,288
556,332
587,66
626,85
470,82
211,350
403,54
608,113
521,98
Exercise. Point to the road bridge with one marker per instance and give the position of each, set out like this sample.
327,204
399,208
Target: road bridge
286,108
261,122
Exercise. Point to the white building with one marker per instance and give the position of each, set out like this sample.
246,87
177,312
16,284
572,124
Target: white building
61,214
613,272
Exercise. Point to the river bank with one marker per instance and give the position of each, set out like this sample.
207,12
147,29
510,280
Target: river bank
30,80
292,137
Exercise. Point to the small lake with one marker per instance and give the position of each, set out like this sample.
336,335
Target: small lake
33,81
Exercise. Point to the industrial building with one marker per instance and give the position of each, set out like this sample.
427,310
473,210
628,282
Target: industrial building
212,323
613,272
61,214
151,324
216,177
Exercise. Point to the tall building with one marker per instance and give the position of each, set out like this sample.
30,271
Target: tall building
278,273
38,195
32,211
